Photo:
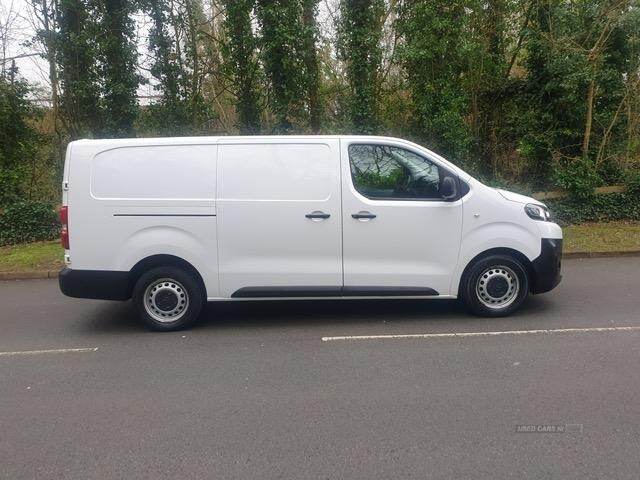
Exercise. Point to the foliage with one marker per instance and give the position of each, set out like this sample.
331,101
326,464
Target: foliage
359,37
600,208
578,176
79,76
169,116
578,63
20,141
281,43
97,55
173,42
28,221
241,63
432,55
310,35
633,183
117,52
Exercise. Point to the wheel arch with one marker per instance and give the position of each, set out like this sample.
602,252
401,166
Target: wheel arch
163,260
521,257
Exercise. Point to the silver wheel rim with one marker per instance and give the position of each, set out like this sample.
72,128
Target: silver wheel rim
166,300
497,287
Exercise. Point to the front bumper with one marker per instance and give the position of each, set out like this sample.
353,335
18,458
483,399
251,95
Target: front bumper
97,284
546,268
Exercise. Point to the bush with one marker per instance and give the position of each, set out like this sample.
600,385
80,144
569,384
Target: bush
579,177
28,221
599,208
633,183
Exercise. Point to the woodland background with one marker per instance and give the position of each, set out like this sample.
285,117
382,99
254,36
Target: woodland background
531,94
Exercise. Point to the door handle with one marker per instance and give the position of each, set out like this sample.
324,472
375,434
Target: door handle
318,215
363,215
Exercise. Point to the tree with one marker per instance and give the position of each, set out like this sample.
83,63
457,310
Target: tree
490,45
309,34
45,23
76,51
359,35
117,67
241,64
19,139
579,57
433,56
282,36
168,116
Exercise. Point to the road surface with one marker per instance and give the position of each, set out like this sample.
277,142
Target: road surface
254,392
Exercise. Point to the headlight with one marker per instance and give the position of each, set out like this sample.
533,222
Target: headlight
537,212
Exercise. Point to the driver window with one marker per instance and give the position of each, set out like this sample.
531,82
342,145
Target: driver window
385,172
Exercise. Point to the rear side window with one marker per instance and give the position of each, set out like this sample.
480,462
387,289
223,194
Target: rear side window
185,172
385,172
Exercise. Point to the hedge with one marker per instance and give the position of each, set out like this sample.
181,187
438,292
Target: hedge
28,221
599,208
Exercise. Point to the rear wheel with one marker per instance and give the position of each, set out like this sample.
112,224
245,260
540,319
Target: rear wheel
495,286
168,298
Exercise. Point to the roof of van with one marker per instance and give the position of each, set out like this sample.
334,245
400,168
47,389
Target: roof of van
229,137
116,142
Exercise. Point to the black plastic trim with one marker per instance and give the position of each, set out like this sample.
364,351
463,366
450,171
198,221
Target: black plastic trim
547,266
388,291
271,292
163,215
331,291
96,284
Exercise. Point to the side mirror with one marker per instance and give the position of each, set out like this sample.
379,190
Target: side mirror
448,189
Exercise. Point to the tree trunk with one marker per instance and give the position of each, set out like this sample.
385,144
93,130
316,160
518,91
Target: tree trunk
591,93
195,58
311,64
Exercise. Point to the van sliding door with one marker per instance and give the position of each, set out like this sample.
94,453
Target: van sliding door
279,218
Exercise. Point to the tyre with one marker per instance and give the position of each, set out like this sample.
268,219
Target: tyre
168,298
494,286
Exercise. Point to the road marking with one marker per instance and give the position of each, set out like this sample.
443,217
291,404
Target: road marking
481,334
58,350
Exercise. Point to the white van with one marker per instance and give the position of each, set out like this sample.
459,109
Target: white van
176,222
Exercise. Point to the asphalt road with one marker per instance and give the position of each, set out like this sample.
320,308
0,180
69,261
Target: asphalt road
254,392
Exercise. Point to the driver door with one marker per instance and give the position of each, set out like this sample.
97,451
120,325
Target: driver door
400,237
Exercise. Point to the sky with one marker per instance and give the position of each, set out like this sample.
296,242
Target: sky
21,30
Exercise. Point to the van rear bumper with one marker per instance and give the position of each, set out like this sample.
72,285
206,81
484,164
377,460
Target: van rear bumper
546,267
96,284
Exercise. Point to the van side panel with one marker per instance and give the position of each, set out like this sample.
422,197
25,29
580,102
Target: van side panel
265,192
128,202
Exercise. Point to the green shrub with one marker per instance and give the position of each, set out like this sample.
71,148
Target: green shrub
599,208
28,221
633,183
579,177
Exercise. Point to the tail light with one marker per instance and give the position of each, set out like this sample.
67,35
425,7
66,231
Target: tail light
64,231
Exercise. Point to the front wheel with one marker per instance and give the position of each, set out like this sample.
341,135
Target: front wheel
168,298
495,286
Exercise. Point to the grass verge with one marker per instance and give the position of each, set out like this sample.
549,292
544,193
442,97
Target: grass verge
586,237
31,257
602,237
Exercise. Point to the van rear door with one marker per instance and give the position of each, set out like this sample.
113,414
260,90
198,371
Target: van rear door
279,217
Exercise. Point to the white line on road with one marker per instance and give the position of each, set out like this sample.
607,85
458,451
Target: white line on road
58,350
481,334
